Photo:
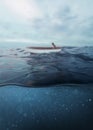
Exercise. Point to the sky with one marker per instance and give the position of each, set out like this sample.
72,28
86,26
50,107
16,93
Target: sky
65,22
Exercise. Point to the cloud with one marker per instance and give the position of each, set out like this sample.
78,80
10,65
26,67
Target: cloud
68,21
23,8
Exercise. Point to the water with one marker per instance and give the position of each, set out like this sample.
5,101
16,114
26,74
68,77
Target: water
71,65
56,107
46,91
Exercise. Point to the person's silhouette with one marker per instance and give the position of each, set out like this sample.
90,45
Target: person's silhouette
54,46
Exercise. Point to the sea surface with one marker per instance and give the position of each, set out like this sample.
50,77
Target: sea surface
46,91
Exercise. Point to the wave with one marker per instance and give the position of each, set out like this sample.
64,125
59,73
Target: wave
73,65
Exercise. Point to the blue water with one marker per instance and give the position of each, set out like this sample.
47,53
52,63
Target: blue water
46,91
73,65
67,107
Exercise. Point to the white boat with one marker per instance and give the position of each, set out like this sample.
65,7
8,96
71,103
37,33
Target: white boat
44,49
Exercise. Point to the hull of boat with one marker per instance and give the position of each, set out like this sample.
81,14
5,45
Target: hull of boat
44,50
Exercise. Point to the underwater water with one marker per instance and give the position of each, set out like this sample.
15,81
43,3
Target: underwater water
57,107
46,91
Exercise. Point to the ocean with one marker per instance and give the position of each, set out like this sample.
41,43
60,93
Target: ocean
46,91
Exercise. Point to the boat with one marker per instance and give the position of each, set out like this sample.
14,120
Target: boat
54,48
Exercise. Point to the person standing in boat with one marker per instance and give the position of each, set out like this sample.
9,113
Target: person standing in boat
54,46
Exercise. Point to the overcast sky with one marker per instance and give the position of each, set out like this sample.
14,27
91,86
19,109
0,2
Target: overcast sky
68,22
